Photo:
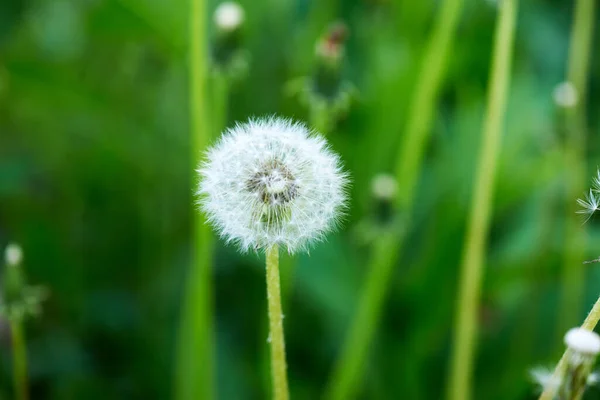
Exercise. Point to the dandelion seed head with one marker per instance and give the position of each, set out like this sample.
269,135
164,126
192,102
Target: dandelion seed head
271,181
228,16
565,95
583,341
384,186
13,254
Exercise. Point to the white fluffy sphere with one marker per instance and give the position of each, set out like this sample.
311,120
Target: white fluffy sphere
271,181
229,16
13,254
583,341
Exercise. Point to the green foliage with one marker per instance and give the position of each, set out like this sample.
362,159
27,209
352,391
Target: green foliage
95,184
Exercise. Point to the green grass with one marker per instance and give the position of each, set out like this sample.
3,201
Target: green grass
103,115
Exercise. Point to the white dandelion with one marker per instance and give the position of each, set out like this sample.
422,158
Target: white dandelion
13,254
272,182
229,16
583,342
384,187
565,95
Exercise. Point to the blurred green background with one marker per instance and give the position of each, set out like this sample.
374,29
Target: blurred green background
96,185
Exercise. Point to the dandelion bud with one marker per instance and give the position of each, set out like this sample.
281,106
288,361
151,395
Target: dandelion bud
13,254
228,53
330,48
325,93
271,181
565,95
17,298
229,16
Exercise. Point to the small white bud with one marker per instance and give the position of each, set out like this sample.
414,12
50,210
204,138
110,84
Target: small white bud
583,341
384,186
13,254
229,16
565,95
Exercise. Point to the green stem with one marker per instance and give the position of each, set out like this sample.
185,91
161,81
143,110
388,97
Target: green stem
319,118
220,100
276,338
19,360
345,381
589,323
473,257
194,376
346,377
578,70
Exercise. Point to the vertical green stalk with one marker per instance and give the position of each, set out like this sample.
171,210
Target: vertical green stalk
577,73
194,378
19,359
346,378
589,323
220,101
461,369
276,338
319,118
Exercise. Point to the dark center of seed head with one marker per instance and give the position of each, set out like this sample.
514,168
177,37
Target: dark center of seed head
273,184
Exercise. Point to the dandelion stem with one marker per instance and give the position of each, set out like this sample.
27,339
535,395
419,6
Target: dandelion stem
472,265
346,377
194,366
19,359
276,339
578,68
589,323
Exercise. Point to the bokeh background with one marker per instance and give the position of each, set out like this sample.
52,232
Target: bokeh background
96,185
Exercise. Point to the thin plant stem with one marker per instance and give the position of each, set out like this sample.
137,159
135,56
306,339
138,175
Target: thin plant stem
319,118
577,73
194,377
589,323
461,368
220,101
345,381
276,338
19,360
346,377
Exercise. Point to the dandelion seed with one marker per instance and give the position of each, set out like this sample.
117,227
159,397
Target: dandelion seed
589,204
544,378
272,182
596,182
